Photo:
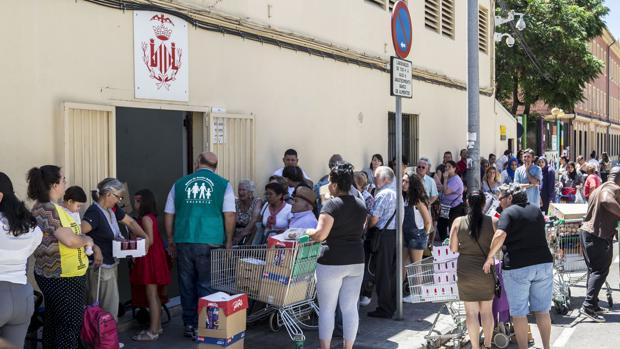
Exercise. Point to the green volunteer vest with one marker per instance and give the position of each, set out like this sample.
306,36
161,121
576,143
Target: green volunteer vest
198,202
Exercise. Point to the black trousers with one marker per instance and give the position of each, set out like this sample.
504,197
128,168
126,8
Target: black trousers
444,225
65,298
598,254
385,274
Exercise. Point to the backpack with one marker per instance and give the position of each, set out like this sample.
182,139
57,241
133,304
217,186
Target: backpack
99,327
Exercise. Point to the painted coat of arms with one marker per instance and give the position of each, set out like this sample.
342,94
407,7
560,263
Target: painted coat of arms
161,42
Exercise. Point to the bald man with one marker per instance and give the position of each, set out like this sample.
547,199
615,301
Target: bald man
199,216
597,234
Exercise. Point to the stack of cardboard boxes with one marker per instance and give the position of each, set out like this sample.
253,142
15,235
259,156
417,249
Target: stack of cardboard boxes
289,271
221,321
444,274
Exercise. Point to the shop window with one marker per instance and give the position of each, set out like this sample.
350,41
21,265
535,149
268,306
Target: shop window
90,144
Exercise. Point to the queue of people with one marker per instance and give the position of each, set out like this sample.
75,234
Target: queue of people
352,213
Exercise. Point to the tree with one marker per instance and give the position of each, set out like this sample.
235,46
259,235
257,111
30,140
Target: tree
550,60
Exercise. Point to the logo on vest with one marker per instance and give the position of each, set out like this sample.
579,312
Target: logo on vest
199,190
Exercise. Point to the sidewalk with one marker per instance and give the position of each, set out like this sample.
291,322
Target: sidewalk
373,333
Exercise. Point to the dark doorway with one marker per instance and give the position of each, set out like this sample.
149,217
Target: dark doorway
410,137
151,153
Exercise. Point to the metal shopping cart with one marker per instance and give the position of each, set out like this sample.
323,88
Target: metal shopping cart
568,262
435,281
280,281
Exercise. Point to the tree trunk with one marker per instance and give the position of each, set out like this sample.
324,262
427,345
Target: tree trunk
515,93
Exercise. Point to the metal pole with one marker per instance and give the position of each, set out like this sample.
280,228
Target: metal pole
399,202
473,98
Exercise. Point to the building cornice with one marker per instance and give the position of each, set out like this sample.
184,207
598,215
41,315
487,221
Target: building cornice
210,20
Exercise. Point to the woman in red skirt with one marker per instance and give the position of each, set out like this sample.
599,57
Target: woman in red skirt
152,270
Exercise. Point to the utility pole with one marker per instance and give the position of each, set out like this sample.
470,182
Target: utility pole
473,99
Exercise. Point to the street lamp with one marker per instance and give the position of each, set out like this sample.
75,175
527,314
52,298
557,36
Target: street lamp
499,20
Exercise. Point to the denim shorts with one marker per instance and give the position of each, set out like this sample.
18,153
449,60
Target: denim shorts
416,240
529,289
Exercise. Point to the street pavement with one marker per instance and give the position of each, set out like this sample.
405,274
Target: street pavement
569,331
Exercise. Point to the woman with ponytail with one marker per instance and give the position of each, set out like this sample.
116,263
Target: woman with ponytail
19,237
471,237
61,262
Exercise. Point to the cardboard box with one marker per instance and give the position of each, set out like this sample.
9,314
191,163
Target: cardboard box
283,239
568,211
137,248
234,342
230,317
249,273
443,253
443,267
445,278
434,291
276,292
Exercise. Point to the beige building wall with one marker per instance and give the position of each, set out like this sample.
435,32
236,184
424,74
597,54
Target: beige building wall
316,105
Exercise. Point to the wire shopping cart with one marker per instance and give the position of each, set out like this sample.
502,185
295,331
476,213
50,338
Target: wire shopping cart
435,281
283,279
568,262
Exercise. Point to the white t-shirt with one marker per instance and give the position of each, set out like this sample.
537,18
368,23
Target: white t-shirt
227,206
14,252
282,217
278,172
75,215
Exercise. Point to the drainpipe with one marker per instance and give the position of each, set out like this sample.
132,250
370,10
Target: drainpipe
609,93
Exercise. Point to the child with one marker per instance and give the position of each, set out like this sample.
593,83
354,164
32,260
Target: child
73,200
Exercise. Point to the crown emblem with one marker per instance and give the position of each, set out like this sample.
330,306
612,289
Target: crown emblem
161,32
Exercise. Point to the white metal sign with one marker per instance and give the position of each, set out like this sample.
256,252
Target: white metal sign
400,78
160,56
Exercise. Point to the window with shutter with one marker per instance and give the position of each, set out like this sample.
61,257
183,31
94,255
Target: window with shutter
447,18
431,15
483,29
380,3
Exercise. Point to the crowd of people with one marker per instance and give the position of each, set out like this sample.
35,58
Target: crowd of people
352,212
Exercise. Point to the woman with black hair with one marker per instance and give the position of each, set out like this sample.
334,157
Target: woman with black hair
19,237
375,162
61,262
572,181
418,221
151,271
341,268
275,213
471,237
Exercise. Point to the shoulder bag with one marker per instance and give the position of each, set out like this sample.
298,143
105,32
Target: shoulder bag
498,286
375,239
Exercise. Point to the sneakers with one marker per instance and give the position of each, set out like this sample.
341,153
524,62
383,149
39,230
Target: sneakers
364,301
189,332
600,310
591,314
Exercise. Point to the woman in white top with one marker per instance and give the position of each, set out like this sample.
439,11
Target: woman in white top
19,237
275,214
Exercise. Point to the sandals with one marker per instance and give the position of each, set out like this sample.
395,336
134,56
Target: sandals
147,336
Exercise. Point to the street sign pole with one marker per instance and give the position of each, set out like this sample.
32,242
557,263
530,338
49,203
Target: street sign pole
400,86
399,227
473,99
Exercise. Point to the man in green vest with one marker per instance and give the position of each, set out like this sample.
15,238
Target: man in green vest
199,216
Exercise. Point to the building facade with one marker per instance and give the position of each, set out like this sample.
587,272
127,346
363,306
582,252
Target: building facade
595,123
263,76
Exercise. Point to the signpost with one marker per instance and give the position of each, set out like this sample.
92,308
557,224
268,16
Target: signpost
400,86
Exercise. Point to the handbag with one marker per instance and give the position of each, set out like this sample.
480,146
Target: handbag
498,285
444,210
375,238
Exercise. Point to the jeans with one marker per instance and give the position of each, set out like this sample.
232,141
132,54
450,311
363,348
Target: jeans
194,269
529,289
598,254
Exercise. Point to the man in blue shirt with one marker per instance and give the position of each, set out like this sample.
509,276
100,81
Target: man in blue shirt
529,177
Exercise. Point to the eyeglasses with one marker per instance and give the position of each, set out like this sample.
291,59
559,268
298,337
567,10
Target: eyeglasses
118,197
421,167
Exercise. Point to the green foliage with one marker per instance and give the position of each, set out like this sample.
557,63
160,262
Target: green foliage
557,34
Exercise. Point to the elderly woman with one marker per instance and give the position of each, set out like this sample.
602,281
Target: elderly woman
592,181
61,263
248,211
101,224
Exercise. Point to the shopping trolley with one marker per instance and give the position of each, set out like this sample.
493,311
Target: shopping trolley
435,281
568,262
282,279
